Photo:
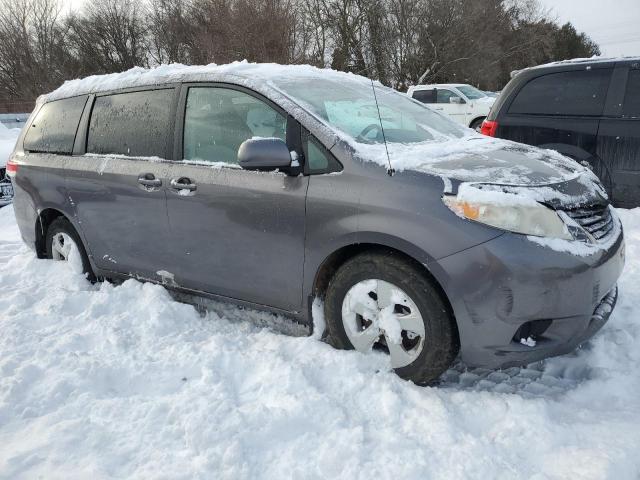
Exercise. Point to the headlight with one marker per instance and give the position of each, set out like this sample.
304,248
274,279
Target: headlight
525,217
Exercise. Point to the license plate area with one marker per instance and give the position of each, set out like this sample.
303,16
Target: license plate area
6,190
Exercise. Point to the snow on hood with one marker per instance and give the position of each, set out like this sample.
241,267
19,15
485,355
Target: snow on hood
488,100
486,160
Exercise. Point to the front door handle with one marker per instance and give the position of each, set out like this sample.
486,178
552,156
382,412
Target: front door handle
183,183
149,180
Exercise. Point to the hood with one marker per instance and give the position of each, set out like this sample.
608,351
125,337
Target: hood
580,191
496,164
507,165
486,100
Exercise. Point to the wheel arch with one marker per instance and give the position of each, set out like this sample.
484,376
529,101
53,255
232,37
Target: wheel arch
43,220
332,262
475,119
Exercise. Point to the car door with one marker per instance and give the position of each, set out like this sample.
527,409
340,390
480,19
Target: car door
619,139
455,111
234,232
116,181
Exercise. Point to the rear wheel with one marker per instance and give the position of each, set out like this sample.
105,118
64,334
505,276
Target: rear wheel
381,301
63,244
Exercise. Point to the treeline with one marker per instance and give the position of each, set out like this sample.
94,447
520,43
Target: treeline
399,42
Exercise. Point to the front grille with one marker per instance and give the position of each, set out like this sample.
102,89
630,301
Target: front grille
596,220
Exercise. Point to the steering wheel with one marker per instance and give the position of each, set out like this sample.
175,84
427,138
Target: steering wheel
362,136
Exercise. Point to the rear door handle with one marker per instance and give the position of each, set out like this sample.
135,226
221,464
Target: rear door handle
183,183
149,180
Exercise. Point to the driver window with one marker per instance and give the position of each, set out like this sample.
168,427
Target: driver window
445,95
218,120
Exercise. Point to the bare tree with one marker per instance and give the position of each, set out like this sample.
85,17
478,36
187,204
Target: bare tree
399,42
109,35
228,30
33,57
170,35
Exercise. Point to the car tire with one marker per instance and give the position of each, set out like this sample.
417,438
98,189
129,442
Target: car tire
477,124
439,341
59,231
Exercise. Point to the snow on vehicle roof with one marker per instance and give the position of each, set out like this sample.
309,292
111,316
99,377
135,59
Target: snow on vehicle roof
594,59
243,73
578,61
432,85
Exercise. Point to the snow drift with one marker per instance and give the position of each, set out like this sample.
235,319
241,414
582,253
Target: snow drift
108,381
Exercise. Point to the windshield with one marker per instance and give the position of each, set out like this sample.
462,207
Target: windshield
472,93
349,105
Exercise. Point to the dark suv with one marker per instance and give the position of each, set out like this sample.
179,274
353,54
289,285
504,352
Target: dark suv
588,110
271,186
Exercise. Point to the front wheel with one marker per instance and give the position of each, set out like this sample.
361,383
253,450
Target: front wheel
63,244
379,300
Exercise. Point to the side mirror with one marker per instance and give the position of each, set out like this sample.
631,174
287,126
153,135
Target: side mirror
456,100
264,153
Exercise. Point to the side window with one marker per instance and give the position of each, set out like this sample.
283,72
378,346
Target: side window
424,96
217,120
631,105
135,123
318,159
445,95
578,92
54,128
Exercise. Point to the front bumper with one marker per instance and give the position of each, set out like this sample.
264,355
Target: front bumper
498,288
563,336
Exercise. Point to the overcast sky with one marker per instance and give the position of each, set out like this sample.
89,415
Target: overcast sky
613,24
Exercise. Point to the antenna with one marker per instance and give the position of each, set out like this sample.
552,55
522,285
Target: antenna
390,171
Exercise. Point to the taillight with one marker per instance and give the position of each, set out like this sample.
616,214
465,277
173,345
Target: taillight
12,168
489,128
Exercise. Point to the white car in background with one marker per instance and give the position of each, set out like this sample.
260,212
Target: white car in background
460,102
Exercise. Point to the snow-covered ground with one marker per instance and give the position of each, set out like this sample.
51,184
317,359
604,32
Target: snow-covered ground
103,381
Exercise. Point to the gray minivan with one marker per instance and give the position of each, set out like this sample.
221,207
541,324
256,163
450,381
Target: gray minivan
270,186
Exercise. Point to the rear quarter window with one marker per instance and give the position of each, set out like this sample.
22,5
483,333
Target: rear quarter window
578,92
135,123
54,127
